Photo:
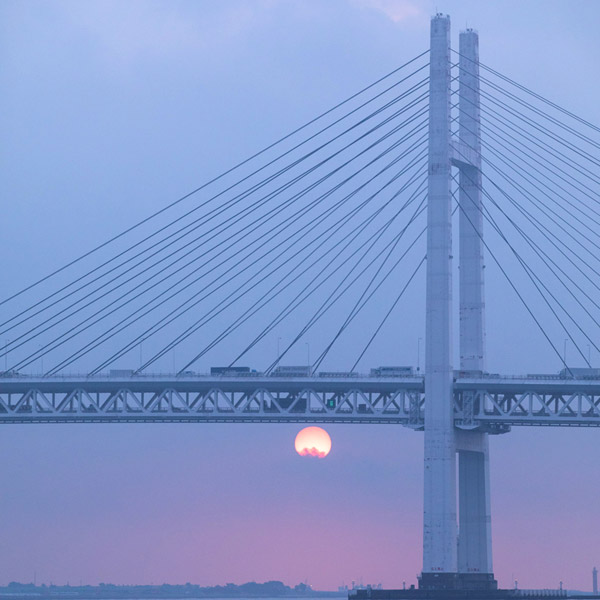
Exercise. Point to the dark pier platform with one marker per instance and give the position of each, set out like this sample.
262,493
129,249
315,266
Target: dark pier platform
413,593
463,587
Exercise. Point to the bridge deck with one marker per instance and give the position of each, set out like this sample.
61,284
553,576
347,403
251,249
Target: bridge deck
493,404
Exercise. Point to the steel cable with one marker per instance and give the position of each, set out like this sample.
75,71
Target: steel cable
305,191
188,308
237,166
213,214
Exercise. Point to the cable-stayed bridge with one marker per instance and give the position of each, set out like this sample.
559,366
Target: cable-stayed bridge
330,230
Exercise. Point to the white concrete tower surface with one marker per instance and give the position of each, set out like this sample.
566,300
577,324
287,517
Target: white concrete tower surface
439,526
475,536
472,324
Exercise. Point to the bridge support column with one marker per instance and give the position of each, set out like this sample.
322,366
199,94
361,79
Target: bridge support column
474,540
475,535
439,525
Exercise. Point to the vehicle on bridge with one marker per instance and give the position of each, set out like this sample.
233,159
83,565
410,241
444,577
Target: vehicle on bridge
392,372
579,373
234,371
292,371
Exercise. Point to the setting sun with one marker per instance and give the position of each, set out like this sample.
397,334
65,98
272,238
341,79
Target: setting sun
313,441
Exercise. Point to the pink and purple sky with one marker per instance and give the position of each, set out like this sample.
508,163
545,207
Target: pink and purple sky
212,504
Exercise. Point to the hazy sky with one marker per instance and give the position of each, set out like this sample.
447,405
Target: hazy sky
112,109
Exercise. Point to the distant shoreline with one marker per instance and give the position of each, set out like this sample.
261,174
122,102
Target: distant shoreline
269,589
71,596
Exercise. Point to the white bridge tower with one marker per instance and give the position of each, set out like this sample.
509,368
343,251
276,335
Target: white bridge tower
457,551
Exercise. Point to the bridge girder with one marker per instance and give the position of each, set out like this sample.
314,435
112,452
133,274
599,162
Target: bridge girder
493,405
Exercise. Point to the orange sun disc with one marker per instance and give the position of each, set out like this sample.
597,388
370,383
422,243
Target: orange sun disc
313,441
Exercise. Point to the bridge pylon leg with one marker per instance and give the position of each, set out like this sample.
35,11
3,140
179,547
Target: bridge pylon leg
475,535
454,559
439,522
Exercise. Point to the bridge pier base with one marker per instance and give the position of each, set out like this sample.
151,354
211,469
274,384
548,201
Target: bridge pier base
457,581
